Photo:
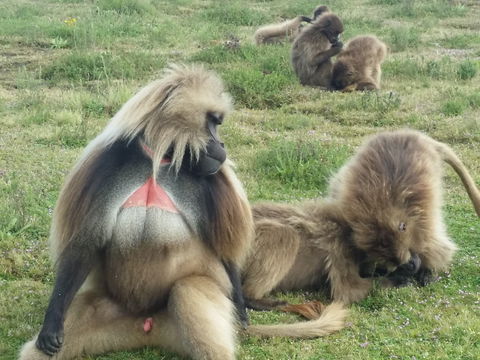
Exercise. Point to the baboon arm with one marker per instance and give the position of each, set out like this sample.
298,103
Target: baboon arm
74,265
323,56
237,293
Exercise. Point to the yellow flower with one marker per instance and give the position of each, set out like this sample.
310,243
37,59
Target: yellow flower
70,21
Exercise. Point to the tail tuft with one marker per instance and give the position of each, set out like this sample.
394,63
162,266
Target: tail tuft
331,320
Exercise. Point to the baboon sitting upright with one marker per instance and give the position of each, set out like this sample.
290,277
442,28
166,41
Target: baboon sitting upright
313,48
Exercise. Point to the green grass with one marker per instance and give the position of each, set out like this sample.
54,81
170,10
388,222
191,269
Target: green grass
69,65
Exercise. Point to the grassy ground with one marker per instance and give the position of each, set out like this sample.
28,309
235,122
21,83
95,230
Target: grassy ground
67,66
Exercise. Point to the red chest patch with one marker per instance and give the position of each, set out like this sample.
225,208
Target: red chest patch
150,194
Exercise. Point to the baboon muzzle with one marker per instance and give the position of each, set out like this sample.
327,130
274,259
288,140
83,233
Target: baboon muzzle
214,155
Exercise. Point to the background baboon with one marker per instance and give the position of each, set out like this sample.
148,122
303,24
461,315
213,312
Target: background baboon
382,217
358,66
313,48
274,33
289,29
319,10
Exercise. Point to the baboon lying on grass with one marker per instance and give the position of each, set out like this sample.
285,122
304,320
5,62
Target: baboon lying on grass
288,29
382,218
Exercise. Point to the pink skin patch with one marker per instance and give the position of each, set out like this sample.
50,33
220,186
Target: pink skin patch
148,325
150,153
151,194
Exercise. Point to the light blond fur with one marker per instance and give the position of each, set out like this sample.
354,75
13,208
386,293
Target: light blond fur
274,33
286,30
331,320
358,66
394,178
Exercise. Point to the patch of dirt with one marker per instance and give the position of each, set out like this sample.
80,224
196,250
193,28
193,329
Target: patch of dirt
17,56
454,53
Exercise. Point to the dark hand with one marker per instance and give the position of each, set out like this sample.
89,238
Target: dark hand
50,339
337,44
243,317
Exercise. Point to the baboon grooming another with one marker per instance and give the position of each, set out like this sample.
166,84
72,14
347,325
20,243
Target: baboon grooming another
358,66
382,218
149,231
289,29
313,48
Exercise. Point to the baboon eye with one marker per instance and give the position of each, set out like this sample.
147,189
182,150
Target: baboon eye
215,117
402,227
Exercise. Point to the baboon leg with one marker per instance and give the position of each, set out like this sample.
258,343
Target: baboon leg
204,315
346,284
275,250
377,74
95,324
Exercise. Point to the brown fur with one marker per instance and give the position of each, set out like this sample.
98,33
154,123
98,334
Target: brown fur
286,30
313,48
394,178
358,66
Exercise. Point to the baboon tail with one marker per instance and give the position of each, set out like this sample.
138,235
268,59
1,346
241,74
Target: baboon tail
452,159
331,320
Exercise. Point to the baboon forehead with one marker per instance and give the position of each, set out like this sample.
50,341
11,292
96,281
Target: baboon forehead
195,85
331,21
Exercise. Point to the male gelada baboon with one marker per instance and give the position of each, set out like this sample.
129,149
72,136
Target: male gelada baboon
289,29
358,66
313,48
382,218
149,230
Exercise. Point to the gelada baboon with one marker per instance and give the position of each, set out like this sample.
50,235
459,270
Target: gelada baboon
313,48
358,66
289,29
150,224
149,230
382,218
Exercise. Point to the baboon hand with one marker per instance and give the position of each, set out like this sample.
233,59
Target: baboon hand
424,276
50,339
337,44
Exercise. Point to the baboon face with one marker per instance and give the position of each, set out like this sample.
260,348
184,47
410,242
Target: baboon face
331,27
342,75
196,104
192,107
384,246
